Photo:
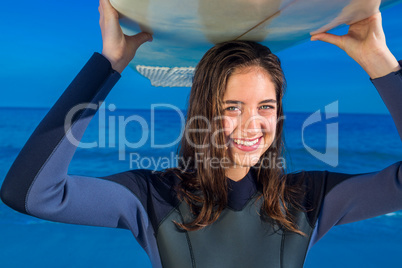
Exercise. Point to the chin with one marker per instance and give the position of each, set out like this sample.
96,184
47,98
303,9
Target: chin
242,160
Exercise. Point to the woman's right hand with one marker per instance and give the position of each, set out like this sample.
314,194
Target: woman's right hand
118,48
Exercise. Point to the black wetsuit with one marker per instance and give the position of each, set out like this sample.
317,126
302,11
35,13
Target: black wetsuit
145,203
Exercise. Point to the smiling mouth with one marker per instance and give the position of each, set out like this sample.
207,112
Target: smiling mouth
246,142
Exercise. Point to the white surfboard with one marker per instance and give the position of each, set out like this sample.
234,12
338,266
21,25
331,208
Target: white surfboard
183,30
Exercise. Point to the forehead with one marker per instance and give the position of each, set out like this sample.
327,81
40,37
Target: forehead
250,83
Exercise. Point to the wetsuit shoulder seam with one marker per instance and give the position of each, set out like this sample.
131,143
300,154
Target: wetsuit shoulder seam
167,216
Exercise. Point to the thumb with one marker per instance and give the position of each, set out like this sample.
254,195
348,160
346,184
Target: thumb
329,38
137,40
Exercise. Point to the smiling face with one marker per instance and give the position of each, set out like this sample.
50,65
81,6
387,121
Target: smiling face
234,104
250,116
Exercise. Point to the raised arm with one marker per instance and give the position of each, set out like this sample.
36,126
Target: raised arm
349,198
37,183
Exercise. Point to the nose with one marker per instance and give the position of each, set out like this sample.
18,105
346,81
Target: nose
252,123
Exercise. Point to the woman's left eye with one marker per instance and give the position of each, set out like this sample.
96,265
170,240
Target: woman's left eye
266,107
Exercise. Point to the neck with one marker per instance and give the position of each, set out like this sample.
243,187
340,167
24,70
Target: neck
236,173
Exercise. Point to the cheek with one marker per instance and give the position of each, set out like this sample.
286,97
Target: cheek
229,125
270,125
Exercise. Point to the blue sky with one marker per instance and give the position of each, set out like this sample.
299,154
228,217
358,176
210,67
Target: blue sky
45,43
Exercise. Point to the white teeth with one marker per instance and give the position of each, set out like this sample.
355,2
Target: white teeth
246,143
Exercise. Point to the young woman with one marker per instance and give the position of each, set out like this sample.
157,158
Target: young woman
225,205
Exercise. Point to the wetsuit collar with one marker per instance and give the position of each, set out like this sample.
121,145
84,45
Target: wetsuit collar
240,192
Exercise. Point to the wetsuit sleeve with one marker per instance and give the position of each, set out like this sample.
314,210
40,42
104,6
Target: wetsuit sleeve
37,184
349,198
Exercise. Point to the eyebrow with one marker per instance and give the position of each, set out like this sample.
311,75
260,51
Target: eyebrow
240,102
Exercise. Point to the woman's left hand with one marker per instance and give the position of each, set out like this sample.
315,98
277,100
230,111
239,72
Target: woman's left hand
365,43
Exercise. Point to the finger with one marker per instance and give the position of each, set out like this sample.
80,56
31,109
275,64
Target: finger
100,9
108,9
106,5
139,39
329,38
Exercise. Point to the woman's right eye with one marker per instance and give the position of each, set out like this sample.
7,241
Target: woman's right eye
231,108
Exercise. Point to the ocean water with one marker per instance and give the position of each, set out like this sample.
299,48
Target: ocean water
355,144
